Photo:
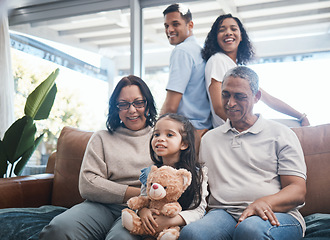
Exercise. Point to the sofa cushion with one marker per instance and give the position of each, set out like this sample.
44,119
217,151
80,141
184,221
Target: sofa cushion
315,142
71,147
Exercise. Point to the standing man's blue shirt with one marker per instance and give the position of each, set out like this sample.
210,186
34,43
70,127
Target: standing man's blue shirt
187,69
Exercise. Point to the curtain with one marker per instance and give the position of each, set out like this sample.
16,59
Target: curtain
6,75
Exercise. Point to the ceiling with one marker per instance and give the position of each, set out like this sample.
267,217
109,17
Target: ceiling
276,27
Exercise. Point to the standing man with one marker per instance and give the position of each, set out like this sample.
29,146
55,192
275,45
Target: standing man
186,93
257,172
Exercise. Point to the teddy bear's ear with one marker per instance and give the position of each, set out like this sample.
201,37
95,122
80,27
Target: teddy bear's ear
153,168
186,175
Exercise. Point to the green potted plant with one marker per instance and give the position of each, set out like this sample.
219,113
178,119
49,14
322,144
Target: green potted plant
19,142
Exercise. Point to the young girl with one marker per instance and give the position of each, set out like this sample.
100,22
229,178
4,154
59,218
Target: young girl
226,45
173,144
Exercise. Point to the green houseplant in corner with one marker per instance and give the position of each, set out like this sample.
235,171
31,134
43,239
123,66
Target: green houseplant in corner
19,142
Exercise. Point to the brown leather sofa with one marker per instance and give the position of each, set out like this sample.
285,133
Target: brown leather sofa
59,186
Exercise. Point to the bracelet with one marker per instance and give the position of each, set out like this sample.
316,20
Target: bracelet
302,117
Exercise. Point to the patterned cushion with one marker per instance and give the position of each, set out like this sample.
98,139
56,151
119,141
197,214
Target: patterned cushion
318,226
26,223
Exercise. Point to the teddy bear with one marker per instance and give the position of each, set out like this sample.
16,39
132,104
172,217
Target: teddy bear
165,185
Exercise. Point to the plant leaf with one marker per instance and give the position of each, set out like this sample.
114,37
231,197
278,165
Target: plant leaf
37,97
3,160
26,156
46,105
19,138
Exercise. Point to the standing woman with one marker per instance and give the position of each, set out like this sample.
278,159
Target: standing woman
226,46
110,170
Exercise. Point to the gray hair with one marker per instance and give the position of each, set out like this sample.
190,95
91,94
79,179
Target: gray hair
245,73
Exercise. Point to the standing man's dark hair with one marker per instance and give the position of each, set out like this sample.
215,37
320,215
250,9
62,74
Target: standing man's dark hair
183,10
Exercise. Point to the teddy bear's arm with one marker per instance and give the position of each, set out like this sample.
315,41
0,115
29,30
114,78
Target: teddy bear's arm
137,203
171,209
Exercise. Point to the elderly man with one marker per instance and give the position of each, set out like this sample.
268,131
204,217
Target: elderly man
257,171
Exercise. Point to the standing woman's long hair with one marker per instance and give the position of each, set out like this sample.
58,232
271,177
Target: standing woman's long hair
245,52
113,120
188,160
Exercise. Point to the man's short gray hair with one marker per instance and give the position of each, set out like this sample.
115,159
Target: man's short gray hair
244,73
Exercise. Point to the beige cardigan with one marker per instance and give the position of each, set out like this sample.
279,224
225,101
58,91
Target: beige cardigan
112,162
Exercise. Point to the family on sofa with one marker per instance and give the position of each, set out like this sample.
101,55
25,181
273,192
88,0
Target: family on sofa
56,193
255,168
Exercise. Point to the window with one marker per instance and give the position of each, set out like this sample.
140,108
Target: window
300,81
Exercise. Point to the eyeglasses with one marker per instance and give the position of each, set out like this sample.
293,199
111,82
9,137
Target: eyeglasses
126,105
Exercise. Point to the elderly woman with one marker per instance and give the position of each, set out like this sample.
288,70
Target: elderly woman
111,166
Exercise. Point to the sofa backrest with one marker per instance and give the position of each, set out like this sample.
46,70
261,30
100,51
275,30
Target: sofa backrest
71,147
315,142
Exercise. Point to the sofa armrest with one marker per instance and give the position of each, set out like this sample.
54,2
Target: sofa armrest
26,191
